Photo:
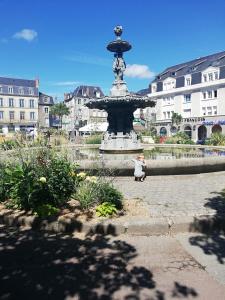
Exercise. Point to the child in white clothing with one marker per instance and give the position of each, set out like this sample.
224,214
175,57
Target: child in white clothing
139,164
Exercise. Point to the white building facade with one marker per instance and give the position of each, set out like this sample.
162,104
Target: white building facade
196,91
18,104
80,115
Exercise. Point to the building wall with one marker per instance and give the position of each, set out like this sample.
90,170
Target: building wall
30,111
201,102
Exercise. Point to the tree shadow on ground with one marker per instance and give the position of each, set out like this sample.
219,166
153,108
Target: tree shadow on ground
39,265
212,241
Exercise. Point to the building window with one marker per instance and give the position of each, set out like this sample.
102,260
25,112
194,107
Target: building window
215,93
31,92
168,115
1,102
203,111
11,102
11,115
209,110
164,115
31,103
32,115
1,115
46,110
187,113
10,90
188,81
1,89
187,98
204,95
209,94
22,115
21,91
21,101
153,88
215,110
210,76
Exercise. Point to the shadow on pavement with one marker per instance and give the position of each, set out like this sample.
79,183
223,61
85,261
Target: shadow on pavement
212,241
39,265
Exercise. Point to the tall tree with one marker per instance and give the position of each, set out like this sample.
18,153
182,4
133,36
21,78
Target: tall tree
176,119
60,110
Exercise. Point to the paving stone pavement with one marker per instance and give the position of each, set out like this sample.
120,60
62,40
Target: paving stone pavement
176,195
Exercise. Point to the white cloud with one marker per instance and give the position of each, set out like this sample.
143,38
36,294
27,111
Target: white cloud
26,34
66,83
138,71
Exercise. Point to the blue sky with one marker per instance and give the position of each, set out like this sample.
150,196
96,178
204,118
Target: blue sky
63,43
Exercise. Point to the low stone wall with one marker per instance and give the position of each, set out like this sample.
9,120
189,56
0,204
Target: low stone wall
156,167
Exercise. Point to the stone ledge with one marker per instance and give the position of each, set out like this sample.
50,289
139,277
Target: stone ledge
124,225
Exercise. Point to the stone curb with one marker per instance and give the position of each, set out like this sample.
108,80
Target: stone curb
132,226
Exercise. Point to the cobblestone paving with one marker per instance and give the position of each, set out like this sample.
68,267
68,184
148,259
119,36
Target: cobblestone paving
176,195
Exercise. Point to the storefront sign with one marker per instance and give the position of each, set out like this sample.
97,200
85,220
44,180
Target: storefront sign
216,122
188,120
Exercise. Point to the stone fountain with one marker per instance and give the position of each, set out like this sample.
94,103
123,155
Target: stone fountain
120,104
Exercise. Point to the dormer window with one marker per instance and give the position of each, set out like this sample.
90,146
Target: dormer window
21,91
169,84
188,80
154,88
210,74
10,90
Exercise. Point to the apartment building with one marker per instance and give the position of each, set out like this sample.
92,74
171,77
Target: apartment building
194,89
18,104
80,115
44,110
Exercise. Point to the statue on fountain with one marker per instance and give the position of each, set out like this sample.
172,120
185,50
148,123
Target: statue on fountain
119,66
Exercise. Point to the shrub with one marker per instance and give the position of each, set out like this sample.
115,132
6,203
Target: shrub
43,179
106,209
93,139
92,192
216,139
179,138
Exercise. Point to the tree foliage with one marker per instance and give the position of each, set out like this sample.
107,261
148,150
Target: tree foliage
60,110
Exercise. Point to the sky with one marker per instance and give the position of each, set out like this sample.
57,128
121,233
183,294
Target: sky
63,43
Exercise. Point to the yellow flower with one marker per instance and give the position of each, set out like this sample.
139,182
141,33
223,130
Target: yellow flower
72,174
43,179
81,175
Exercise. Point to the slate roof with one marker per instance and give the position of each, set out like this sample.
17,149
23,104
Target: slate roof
143,92
44,101
85,91
17,82
193,66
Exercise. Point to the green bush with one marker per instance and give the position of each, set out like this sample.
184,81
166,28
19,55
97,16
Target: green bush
45,210
10,144
43,179
90,193
87,194
106,209
93,139
179,138
216,139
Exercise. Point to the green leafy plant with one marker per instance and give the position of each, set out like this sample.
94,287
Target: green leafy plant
216,139
106,209
87,194
179,138
108,193
46,210
44,178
